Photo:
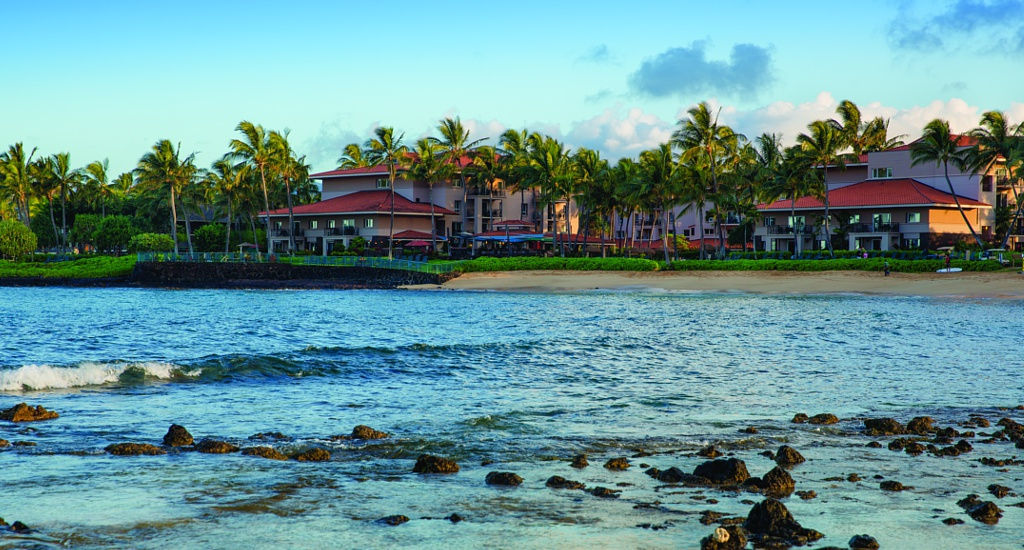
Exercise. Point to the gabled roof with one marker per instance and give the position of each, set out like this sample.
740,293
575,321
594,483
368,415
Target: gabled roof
412,234
376,202
881,192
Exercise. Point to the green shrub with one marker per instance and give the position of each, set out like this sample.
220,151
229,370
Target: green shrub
569,264
42,227
357,246
210,237
84,228
16,239
113,233
151,242
87,268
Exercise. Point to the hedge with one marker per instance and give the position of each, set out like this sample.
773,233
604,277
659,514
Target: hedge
87,268
15,239
151,242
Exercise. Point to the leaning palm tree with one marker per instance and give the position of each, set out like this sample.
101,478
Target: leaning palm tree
388,150
937,145
255,150
822,144
998,141
284,163
701,136
430,168
162,169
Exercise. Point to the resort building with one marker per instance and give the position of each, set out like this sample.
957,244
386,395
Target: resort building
356,202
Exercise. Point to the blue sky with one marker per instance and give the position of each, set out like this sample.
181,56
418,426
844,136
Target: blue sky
109,81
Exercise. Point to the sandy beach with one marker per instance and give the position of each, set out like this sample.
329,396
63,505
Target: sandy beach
1008,285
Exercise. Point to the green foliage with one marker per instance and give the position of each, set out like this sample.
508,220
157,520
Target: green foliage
210,237
357,245
852,264
16,239
568,264
151,242
87,268
113,233
84,228
43,229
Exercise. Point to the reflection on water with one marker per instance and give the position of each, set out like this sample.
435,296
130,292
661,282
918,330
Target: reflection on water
521,382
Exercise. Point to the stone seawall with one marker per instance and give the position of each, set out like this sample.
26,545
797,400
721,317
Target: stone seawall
272,275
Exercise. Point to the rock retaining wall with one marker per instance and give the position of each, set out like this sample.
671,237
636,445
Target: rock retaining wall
273,275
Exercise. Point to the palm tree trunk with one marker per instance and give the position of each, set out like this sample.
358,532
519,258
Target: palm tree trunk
828,233
53,222
391,228
603,254
64,216
266,205
568,225
291,217
945,168
664,231
700,223
174,222
227,240
188,227
792,224
433,224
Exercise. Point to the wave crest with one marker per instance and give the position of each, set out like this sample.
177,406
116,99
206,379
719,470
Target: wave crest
45,377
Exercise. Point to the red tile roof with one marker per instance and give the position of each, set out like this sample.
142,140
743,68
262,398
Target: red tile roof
378,201
412,235
962,140
898,192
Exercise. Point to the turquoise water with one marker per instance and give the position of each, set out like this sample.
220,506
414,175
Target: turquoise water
523,380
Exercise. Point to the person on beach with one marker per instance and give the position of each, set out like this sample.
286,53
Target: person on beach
885,268
947,258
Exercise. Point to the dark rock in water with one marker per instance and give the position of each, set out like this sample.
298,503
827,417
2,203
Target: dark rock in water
732,471
806,495
883,426
617,464
914,448
507,479
640,453
863,542
264,452
315,454
672,475
986,512
366,432
4,443
921,425
946,433
430,464
725,538
559,482
211,446
580,461
771,523
134,449
271,436
709,452
19,527
874,445
982,422
969,501
824,418
853,478
799,418
999,491
2,522
177,436
953,521
749,430
454,518
653,472
788,456
892,485
604,492
393,520
899,443
24,443
22,412
777,483
767,454
960,448
707,517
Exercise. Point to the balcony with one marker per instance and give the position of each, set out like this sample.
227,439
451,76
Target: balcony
875,228
286,233
787,230
486,191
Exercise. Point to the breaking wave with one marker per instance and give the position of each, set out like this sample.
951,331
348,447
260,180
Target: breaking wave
45,377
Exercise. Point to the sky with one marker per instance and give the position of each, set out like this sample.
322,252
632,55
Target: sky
109,80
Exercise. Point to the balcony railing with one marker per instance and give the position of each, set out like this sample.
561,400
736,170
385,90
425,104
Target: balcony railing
286,233
787,230
346,230
875,228
487,191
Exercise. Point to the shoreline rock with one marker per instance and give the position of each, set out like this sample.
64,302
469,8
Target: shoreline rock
23,412
430,464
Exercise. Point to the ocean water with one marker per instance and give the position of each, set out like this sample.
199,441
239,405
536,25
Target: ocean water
525,381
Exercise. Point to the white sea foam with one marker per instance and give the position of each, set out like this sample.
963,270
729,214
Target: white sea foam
42,377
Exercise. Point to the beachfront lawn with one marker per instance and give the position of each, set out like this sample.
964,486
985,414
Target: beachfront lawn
86,268
843,264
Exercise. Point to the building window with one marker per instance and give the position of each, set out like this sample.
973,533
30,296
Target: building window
368,223
382,183
878,173
458,207
854,218
796,221
456,228
277,225
986,183
313,224
330,224
348,222
913,217
769,221
911,243
524,208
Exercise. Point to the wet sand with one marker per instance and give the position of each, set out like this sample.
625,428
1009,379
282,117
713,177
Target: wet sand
1007,285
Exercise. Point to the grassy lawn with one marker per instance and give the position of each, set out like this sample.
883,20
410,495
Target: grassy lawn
85,268
639,264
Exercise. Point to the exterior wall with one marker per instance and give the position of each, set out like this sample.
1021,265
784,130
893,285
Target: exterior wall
838,178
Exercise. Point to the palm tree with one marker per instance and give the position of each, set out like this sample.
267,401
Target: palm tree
864,136
289,169
659,171
45,184
700,136
822,145
66,179
456,146
625,176
14,166
388,150
591,174
793,178
550,171
998,140
514,158
225,179
430,168
162,169
95,180
255,150
352,157
938,145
